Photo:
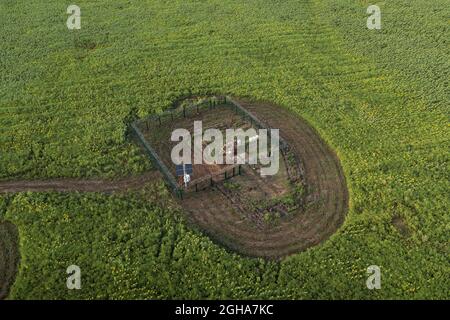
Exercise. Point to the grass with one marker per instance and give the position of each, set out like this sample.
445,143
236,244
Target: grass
379,98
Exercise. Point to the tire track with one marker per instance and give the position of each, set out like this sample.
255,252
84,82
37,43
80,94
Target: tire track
323,175
69,185
211,211
9,247
9,257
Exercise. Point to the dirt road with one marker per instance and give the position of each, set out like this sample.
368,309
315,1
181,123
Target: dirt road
68,185
328,196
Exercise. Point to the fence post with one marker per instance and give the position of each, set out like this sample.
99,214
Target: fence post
184,111
239,169
155,159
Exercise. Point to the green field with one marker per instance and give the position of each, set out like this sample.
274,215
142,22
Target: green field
380,98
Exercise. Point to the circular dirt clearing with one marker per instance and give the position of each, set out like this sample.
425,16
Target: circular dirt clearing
323,214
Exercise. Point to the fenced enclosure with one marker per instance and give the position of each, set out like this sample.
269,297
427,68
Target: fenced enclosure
168,177
253,120
221,112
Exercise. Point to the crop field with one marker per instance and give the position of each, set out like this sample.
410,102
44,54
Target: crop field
366,111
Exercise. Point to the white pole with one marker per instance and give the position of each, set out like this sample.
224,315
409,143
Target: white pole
184,176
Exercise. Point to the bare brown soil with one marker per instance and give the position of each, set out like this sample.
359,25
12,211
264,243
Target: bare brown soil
400,224
327,196
67,185
220,214
159,136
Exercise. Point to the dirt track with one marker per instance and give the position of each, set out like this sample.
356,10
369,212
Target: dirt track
67,185
327,193
9,256
9,251
211,211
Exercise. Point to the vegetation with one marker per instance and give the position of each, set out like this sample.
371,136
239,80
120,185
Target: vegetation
379,98
234,186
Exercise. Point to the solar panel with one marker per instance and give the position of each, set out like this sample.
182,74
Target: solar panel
181,171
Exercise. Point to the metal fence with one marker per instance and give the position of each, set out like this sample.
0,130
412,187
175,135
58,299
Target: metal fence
160,119
185,111
182,112
253,120
212,179
168,177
